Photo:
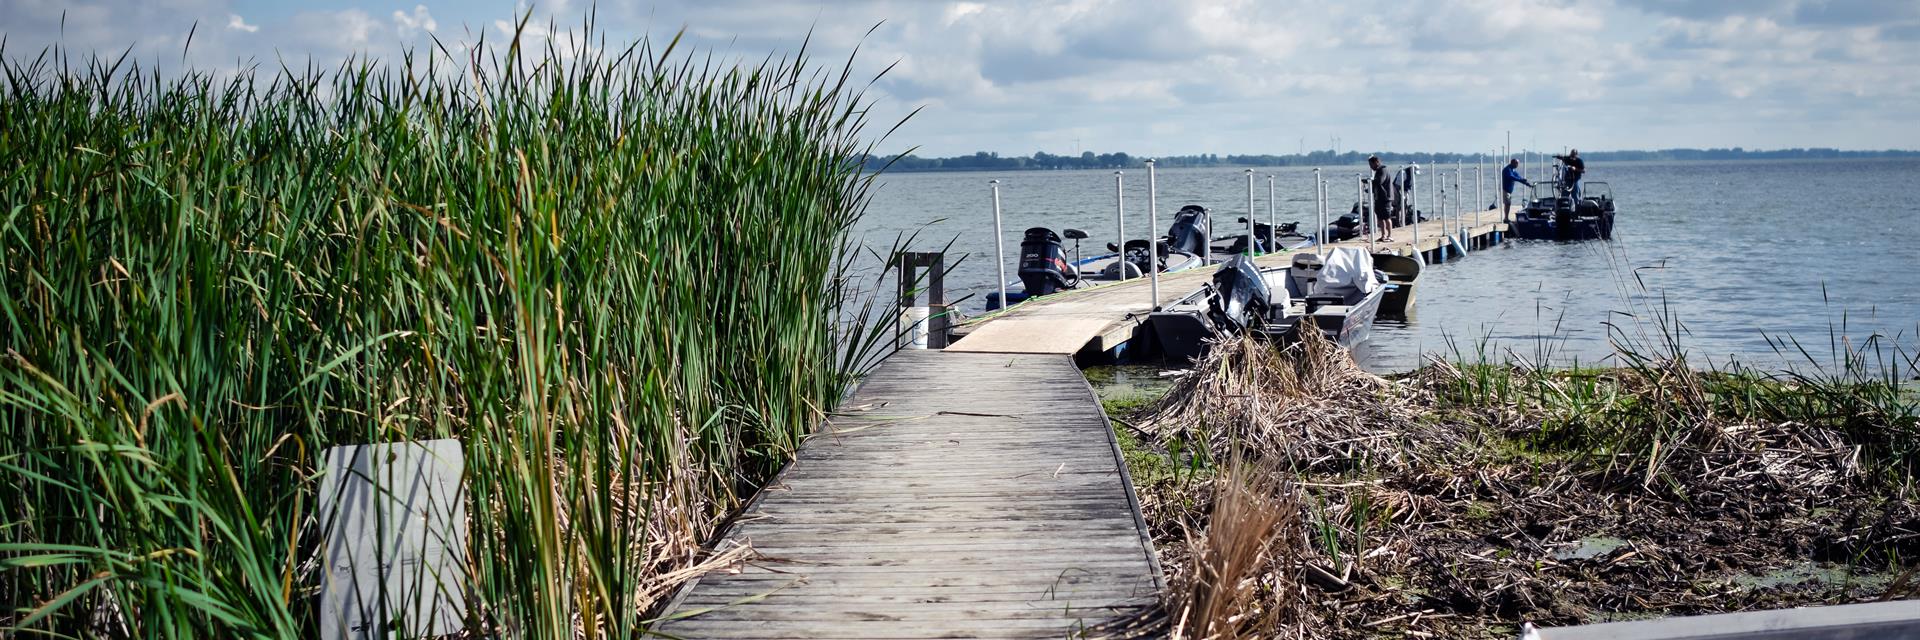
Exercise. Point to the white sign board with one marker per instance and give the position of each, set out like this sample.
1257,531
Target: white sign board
395,521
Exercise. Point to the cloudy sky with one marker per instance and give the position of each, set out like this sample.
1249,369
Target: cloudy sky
1188,76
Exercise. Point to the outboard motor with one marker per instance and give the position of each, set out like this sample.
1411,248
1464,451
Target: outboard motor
1043,264
1190,232
1240,296
1346,227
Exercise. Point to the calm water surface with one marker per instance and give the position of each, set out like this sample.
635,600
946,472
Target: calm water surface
1732,252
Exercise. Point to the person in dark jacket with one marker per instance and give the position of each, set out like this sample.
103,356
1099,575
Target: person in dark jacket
1570,177
1382,187
1511,176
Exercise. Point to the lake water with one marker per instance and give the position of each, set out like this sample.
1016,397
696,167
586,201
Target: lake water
1731,252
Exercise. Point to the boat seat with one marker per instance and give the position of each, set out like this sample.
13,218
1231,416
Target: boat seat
1317,303
1113,271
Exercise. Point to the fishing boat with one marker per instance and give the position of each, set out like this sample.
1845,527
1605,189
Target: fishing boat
1268,240
1046,268
1347,227
1401,272
1553,214
1338,295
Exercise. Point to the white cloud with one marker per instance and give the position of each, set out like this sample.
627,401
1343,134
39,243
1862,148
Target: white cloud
236,23
419,21
1169,76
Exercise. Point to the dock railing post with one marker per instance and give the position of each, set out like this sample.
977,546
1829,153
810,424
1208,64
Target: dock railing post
1120,222
1459,216
1439,208
1153,243
1459,213
1251,217
1273,217
1319,214
999,244
1479,196
1413,209
1366,212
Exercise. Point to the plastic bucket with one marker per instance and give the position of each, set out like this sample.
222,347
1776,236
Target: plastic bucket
913,327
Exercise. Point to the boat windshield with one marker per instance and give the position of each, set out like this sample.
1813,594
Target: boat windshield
1596,190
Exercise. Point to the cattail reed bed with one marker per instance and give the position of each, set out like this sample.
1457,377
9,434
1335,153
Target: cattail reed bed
615,275
1461,501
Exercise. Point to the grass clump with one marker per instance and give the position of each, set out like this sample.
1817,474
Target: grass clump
615,275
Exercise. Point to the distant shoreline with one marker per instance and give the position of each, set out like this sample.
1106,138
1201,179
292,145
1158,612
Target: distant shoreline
987,161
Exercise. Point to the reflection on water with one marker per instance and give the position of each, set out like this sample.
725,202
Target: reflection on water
1726,254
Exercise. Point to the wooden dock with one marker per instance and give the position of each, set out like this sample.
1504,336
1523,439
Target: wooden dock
956,495
1103,318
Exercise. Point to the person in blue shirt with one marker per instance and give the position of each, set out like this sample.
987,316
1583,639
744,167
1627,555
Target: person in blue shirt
1507,179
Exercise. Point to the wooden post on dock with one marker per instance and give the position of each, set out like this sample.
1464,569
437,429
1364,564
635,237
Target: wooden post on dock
911,265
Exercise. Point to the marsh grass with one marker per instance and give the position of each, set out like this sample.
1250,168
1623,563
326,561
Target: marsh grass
615,275
1658,399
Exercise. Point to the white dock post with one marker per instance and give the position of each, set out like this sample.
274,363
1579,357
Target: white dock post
1413,206
1273,216
1320,212
1153,243
1366,213
1120,222
1251,216
1441,202
1479,196
1439,208
1459,214
999,244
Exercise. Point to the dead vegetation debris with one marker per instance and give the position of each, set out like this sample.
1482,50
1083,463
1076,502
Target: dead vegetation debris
1461,502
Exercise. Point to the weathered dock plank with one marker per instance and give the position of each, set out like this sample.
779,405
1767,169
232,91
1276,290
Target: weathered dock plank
1103,317
961,495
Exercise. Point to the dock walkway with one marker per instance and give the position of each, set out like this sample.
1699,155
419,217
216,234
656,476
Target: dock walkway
956,495
1104,317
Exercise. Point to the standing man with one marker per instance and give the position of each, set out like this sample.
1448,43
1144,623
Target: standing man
1570,179
1508,178
1382,198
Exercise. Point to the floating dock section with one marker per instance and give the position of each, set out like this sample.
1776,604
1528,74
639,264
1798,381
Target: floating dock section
1103,320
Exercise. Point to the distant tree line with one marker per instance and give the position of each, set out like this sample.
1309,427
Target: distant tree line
984,160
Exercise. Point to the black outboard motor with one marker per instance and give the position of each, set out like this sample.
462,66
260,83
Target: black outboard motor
1240,296
1191,231
1043,264
1346,227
